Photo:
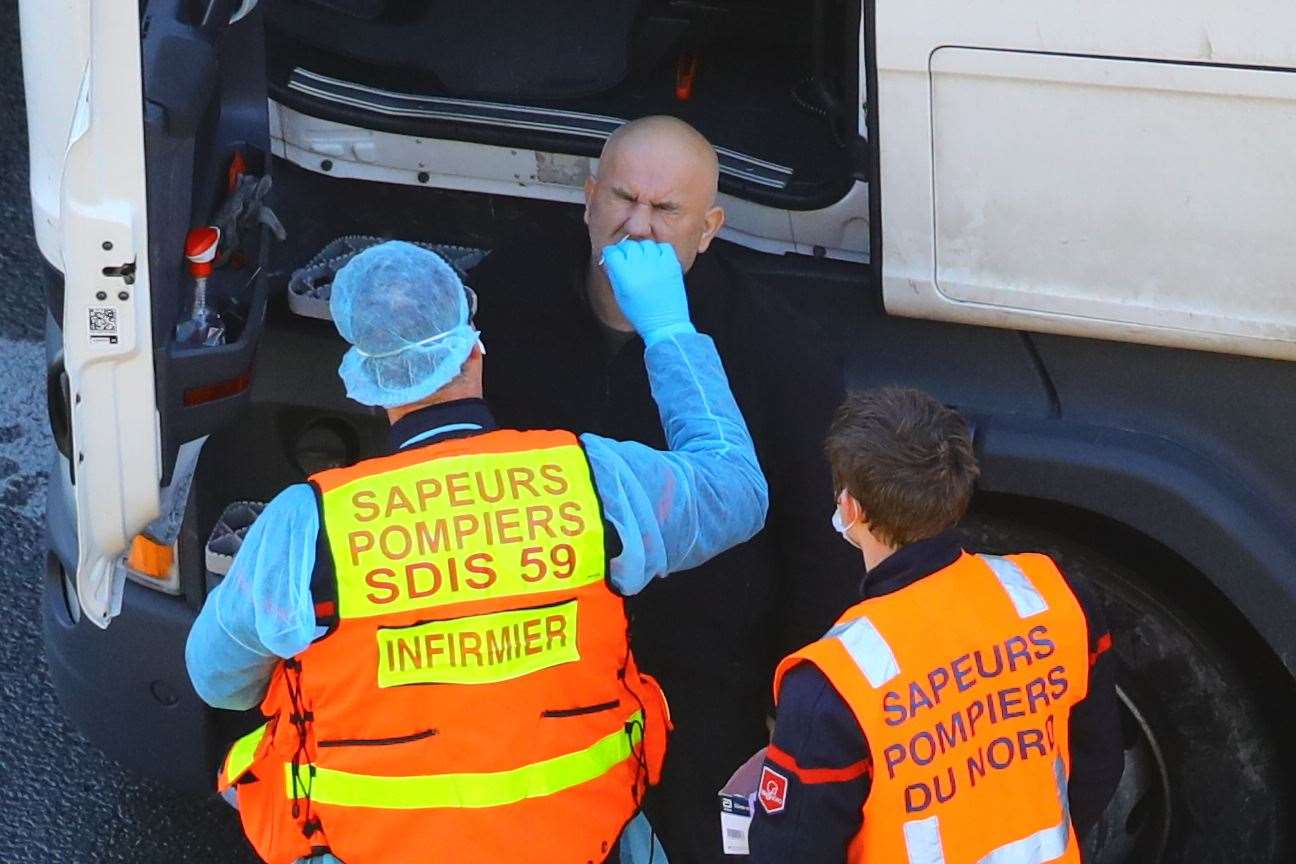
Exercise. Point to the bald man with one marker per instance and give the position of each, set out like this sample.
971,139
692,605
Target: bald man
564,356
657,177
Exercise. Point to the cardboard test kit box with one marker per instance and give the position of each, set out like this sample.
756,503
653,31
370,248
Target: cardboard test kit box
738,801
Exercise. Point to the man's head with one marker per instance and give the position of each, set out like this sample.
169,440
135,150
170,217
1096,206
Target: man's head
408,317
902,464
656,180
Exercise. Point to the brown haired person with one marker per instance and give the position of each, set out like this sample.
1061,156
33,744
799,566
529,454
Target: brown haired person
964,710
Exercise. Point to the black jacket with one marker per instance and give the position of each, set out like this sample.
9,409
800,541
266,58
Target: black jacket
550,363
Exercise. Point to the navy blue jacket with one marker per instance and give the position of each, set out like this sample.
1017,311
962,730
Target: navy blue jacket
820,748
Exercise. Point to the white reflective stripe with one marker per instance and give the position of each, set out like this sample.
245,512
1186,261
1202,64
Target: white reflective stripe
923,841
1060,778
868,649
1028,600
837,630
1046,844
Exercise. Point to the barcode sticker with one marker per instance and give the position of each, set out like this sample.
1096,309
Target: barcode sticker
733,834
102,324
103,319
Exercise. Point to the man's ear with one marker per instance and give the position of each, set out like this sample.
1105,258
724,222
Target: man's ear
712,222
851,510
591,183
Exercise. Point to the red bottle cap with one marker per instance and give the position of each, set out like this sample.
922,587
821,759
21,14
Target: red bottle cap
200,250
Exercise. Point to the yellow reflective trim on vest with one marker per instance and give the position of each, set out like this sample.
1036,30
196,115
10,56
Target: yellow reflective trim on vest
479,649
495,789
242,752
468,527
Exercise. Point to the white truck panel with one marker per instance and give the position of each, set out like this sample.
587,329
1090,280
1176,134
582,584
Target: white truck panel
56,47
1116,197
108,343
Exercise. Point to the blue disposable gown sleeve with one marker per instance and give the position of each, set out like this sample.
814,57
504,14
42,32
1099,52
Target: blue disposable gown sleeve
262,611
678,508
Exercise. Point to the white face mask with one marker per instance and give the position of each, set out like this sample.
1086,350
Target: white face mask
840,526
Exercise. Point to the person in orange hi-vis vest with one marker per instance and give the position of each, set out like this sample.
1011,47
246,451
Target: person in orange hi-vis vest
964,711
437,636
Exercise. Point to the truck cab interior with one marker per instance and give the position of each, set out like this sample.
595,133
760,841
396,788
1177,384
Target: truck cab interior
770,82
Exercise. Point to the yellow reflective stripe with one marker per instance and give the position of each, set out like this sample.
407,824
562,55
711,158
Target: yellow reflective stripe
495,789
243,752
469,527
478,649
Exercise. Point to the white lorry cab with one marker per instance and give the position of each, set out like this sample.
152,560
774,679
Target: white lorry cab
1072,221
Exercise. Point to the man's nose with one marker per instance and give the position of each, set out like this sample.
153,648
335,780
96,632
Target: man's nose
639,222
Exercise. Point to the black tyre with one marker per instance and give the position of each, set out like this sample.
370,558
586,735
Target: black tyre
1204,777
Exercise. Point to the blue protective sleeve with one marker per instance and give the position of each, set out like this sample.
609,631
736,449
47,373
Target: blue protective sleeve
262,610
674,510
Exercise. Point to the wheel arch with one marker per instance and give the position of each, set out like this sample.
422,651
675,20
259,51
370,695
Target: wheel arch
1192,521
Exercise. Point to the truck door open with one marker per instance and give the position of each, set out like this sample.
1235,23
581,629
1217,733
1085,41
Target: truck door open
1091,169
107,334
172,96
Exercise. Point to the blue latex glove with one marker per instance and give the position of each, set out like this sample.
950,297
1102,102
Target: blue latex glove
649,287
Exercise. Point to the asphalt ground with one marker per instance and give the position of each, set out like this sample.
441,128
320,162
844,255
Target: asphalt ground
61,800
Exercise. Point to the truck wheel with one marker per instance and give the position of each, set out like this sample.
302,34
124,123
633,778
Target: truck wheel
1204,777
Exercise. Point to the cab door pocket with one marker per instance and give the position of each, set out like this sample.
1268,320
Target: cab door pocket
582,710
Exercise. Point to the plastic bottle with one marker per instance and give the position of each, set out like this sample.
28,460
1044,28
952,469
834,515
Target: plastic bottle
204,327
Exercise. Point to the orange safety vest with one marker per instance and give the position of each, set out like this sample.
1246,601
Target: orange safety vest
476,698
963,685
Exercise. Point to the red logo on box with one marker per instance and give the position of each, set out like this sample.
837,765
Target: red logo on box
773,790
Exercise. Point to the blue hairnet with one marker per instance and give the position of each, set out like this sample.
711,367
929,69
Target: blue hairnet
405,311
